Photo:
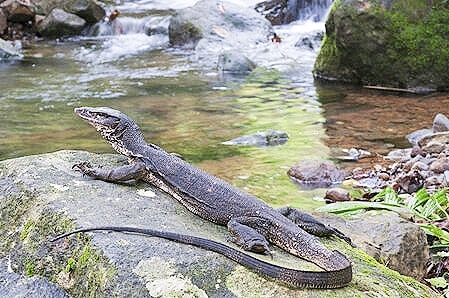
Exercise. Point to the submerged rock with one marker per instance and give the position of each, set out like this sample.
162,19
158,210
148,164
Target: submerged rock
260,139
233,61
41,196
317,174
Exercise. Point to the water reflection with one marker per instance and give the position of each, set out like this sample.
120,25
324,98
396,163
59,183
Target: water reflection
373,120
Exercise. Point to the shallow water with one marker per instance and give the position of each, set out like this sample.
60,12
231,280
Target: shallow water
189,109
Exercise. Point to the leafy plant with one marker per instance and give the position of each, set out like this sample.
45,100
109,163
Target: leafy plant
71,265
440,282
430,207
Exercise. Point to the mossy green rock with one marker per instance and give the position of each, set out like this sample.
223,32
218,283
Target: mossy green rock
401,44
41,196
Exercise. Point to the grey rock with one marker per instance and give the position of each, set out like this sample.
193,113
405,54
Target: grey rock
440,165
390,239
275,11
18,286
337,194
42,196
419,166
89,10
317,174
415,136
440,123
440,137
399,154
435,181
235,62
283,12
433,147
8,51
61,23
213,28
260,139
311,43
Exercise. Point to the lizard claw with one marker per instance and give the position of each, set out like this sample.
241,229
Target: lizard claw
258,246
84,167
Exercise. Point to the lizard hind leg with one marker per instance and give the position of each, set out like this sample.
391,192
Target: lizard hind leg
246,237
311,225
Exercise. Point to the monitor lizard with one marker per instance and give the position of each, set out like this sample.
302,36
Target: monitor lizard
252,223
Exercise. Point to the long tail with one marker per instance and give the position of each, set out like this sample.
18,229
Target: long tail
293,277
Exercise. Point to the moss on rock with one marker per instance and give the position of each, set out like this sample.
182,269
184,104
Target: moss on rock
399,44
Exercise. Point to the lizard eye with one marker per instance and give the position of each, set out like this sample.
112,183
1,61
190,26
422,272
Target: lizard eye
106,120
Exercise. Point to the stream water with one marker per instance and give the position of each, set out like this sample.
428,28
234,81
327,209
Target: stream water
186,108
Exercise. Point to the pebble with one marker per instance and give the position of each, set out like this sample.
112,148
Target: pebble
440,123
337,194
439,166
433,147
426,164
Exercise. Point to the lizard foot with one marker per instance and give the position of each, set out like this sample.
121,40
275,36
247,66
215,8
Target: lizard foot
247,237
311,225
255,245
84,167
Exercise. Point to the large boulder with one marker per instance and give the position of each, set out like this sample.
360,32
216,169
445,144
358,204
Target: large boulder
90,10
390,239
18,11
60,23
400,44
213,29
41,196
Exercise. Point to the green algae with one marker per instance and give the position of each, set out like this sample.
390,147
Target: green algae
370,279
26,229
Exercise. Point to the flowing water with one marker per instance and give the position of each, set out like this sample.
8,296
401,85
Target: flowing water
190,109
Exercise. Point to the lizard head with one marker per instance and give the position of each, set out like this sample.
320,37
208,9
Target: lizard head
118,129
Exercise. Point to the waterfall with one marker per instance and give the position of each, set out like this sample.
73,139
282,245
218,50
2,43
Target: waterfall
315,10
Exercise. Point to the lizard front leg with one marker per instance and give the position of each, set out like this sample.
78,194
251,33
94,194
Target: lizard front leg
129,172
311,225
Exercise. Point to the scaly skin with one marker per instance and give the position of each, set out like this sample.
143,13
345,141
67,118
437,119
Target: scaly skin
251,222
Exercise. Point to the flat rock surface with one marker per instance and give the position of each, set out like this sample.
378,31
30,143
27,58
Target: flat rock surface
41,196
